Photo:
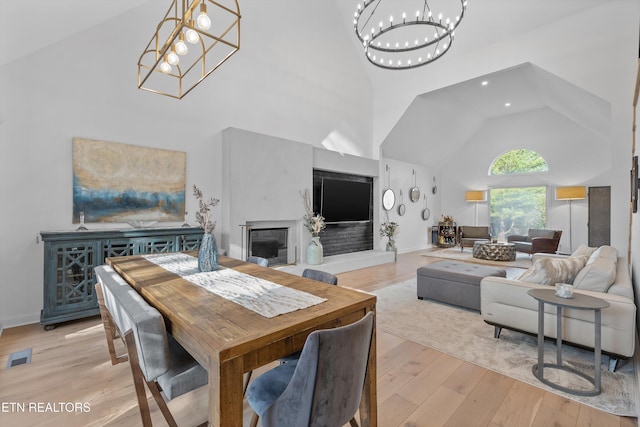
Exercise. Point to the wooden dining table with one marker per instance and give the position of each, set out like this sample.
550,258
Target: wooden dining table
230,340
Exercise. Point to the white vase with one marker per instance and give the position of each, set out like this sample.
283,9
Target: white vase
314,251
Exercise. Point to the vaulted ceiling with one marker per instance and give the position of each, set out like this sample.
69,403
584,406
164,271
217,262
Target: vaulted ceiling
451,111
468,106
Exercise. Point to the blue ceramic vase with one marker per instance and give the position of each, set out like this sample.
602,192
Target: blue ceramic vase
208,254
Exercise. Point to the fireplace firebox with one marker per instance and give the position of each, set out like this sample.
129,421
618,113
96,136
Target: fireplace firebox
269,243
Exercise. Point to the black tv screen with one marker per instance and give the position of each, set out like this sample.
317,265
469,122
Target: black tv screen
344,201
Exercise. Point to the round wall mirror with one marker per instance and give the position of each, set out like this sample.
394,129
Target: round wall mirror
388,199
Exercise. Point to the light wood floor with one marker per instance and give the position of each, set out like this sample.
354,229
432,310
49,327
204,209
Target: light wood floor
417,386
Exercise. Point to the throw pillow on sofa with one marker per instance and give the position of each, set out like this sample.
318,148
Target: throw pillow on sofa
549,271
600,271
583,251
607,252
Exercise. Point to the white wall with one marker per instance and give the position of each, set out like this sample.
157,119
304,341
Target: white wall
414,233
291,78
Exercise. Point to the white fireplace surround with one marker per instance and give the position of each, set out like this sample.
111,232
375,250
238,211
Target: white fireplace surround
293,242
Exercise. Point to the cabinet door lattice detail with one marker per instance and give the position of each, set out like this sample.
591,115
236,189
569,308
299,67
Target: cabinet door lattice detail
74,281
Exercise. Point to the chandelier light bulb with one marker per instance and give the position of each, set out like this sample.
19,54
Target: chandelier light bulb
192,35
391,19
165,67
203,21
172,56
181,46
417,14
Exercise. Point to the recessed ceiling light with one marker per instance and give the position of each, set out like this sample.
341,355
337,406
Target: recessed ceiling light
484,83
507,104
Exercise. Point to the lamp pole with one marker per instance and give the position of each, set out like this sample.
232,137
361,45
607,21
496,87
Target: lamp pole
570,236
475,220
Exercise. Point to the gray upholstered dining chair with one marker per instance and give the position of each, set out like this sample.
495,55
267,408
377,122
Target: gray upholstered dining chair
309,273
155,357
323,388
258,260
321,276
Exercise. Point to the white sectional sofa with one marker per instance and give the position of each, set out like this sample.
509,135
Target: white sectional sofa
505,303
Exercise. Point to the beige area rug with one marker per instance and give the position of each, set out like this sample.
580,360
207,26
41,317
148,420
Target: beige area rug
463,334
522,260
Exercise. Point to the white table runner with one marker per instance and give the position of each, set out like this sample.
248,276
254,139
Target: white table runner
266,298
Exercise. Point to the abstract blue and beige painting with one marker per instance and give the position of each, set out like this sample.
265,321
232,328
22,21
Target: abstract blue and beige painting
114,182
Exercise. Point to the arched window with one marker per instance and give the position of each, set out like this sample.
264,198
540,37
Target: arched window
518,161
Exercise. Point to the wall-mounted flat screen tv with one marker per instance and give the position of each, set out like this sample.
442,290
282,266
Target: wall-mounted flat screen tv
345,201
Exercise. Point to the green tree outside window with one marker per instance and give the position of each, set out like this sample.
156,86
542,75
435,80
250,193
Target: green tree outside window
515,210
518,161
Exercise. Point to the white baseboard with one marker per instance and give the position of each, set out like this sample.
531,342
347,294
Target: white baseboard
0,329
20,321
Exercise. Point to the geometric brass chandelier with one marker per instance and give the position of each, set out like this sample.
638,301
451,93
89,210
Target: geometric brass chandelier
400,41
192,40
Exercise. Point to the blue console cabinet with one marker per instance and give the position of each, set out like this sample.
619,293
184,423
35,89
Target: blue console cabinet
70,256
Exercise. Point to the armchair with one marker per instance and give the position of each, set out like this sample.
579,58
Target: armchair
537,241
471,234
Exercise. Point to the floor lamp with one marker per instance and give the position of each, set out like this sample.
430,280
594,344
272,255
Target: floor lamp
475,197
570,194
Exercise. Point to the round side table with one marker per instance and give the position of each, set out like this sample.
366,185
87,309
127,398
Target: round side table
577,302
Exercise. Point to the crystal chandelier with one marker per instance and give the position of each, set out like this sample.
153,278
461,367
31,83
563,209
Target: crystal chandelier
406,41
192,40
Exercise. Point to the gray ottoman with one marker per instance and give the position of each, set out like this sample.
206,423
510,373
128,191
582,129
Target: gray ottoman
454,282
